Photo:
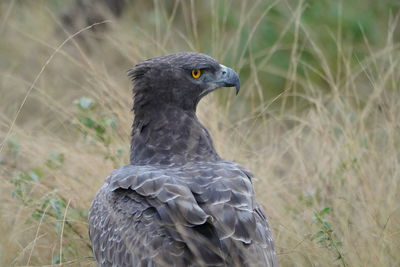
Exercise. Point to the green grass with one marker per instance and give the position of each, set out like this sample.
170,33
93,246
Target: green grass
316,120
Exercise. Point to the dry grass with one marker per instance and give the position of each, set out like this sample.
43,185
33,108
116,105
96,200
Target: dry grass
331,139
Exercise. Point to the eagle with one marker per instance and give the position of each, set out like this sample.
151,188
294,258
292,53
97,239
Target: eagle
178,203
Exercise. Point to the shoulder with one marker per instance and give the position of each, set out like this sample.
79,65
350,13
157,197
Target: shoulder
149,179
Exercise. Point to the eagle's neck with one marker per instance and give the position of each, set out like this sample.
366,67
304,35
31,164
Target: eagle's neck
169,135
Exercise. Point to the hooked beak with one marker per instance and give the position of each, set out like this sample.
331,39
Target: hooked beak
224,77
227,77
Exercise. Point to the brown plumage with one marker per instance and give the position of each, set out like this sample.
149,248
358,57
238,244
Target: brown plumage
178,203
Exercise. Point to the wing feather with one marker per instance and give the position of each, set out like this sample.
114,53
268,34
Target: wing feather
195,214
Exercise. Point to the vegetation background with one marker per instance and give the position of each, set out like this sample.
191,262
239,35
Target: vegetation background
317,119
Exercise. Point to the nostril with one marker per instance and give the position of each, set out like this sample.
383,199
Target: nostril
223,72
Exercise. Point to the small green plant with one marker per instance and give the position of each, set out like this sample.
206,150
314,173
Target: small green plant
55,161
14,146
326,236
97,128
46,204
23,183
90,124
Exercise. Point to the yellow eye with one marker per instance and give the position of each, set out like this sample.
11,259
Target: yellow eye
196,73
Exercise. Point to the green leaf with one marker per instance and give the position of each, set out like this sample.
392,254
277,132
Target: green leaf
88,122
111,122
36,214
13,145
327,225
56,160
317,235
84,103
100,130
57,205
56,260
324,211
24,177
17,193
56,156
120,152
339,256
34,176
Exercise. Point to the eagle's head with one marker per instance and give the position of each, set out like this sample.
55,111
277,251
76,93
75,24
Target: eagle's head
180,79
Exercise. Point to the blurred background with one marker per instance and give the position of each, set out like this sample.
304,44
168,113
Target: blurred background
316,119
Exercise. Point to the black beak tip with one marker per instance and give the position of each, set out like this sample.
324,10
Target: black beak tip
235,82
237,87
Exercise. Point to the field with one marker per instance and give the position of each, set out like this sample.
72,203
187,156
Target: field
317,119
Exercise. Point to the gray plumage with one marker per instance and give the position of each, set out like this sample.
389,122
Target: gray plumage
178,203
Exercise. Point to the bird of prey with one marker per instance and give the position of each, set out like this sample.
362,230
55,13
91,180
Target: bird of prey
178,203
